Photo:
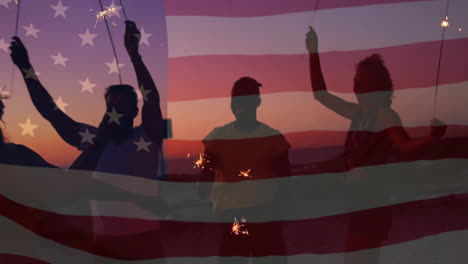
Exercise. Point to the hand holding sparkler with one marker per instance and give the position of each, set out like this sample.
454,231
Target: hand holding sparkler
438,129
312,41
132,38
19,54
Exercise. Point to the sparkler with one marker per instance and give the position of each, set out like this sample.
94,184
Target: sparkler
444,24
123,10
245,173
201,161
103,16
18,7
239,228
4,94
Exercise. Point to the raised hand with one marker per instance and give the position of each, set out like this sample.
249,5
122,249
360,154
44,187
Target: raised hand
438,128
311,41
132,38
19,53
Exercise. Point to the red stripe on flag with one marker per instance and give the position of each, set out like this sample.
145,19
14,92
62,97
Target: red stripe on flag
411,66
16,259
192,239
246,8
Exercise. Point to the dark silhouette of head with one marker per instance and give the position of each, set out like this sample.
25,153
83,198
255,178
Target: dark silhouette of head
373,85
124,100
245,99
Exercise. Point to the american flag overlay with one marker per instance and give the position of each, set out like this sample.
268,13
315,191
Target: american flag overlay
220,131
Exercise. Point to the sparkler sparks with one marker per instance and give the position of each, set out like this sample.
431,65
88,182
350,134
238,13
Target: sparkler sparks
239,228
445,23
201,161
101,15
245,173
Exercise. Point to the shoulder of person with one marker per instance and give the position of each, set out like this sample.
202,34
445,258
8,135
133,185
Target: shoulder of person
387,117
219,132
275,134
268,130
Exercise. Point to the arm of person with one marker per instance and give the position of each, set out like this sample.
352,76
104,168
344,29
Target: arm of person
394,128
152,121
30,158
91,152
66,127
319,88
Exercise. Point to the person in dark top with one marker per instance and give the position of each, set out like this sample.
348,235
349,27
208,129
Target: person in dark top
376,136
116,146
15,154
245,155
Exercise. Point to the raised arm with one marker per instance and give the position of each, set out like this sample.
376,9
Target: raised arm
319,88
392,125
152,120
66,127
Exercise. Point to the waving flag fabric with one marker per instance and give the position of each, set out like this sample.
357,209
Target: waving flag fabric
195,51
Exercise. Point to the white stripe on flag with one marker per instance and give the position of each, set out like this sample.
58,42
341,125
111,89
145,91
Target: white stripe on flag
354,28
312,196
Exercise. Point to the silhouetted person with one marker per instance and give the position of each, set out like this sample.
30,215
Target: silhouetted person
376,136
244,156
14,154
116,146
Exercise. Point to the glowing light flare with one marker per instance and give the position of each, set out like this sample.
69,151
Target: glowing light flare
445,23
245,173
4,94
239,228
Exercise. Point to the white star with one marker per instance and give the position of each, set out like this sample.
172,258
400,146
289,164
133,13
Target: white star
114,116
87,86
59,59
3,45
143,36
144,93
60,104
59,9
117,9
31,30
5,3
113,66
142,144
30,74
87,38
28,127
87,136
